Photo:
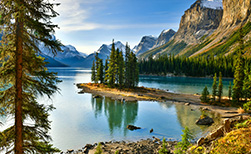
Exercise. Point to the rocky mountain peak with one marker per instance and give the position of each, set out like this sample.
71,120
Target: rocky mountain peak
164,37
198,21
146,43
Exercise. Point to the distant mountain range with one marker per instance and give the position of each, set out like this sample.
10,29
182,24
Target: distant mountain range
207,27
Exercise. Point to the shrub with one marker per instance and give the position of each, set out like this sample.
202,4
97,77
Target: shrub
98,149
204,98
183,145
163,149
247,106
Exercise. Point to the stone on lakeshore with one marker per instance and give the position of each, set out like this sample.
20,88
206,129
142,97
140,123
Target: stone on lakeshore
151,130
200,141
96,96
205,121
70,151
131,127
187,104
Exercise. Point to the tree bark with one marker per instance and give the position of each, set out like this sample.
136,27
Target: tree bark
19,99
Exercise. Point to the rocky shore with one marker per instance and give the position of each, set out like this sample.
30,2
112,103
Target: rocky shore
148,146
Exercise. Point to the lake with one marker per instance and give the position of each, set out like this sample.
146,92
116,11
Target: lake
79,119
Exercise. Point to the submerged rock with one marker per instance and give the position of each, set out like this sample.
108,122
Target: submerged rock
205,121
131,127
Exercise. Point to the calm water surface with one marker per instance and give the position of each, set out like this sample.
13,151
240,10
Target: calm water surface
79,119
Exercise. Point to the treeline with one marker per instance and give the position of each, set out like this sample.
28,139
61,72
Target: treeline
241,91
197,67
117,71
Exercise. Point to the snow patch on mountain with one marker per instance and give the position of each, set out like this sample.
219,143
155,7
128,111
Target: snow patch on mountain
212,4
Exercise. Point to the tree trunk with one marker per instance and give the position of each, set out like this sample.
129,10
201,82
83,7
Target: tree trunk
19,99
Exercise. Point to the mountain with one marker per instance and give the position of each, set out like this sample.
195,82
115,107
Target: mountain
103,52
164,37
209,27
69,55
146,43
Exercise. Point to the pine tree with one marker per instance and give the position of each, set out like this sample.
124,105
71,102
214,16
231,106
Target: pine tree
117,66
127,68
111,72
100,73
121,69
204,96
247,84
97,65
230,90
220,90
214,87
239,71
93,69
105,70
23,74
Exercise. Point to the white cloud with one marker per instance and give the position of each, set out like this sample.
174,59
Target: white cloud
74,15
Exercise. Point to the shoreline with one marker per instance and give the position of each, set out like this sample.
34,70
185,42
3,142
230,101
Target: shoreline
151,145
152,94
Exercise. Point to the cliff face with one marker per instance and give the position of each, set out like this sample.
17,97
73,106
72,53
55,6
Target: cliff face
198,21
235,12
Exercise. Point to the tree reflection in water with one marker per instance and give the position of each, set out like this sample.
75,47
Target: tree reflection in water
119,114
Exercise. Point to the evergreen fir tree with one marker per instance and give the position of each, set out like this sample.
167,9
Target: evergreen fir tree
23,75
97,65
121,69
111,72
204,96
214,87
93,69
105,70
247,84
100,73
127,68
220,90
239,71
230,90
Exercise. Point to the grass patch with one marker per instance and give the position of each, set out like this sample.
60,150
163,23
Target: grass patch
223,48
237,141
197,48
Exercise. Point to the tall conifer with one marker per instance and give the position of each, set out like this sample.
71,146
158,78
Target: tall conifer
220,88
214,87
24,76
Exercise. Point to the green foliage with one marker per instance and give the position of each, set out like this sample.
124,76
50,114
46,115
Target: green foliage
93,69
225,46
204,96
122,72
229,90
183,145
220,87
98,149
197,150
214,87
100,71
25,24
163,149
117,152
197,47
247,106
236,141
244,124
239,74
198,67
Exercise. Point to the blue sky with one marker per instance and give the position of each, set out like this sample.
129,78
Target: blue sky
87,24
